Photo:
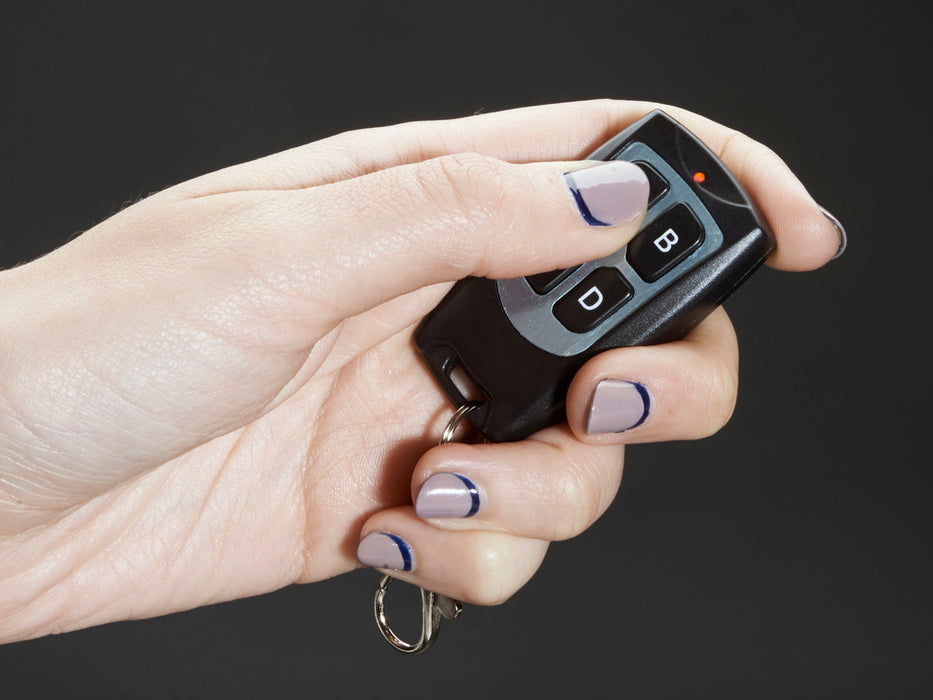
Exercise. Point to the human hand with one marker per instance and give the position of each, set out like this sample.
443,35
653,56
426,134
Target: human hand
213,393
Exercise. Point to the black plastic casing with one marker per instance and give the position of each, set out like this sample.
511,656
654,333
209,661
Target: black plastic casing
524,386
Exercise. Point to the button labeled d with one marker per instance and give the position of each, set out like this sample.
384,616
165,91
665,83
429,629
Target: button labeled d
591,299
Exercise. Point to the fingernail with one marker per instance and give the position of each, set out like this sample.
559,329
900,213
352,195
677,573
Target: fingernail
617,406
609,193
384,551
843,238
447,495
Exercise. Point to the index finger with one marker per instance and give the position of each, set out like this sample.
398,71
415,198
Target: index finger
806,237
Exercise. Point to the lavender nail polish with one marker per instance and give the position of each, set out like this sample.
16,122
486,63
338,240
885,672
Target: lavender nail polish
617,406
609,193
447,495
384,551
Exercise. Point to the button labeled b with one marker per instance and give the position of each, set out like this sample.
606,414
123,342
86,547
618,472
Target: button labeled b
666,241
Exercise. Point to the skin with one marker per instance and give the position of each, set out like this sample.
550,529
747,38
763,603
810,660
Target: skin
214,394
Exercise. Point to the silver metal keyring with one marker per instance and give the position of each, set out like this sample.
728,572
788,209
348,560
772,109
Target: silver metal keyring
434,606
456,419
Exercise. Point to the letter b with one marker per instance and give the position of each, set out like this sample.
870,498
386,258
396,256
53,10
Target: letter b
666,241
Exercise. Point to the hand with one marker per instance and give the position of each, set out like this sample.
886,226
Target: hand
214,393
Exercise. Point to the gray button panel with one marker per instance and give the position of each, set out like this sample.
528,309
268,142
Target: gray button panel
531,314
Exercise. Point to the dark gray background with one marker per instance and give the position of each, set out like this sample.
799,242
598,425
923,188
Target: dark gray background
787,556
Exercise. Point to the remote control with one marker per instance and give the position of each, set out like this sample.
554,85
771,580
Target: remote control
517,343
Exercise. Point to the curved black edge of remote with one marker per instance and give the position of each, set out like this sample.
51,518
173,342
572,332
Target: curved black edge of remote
523,386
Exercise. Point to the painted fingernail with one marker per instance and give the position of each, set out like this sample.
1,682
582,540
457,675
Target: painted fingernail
609,193
843,238
447,495
384,551
617,406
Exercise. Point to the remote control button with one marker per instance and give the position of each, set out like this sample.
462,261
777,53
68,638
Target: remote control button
657,185
544,282
603,291
665,243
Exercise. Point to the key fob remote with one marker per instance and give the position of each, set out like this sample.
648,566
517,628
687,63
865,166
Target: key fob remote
519,342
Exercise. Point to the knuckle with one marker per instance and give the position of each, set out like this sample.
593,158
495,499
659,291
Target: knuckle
721,393
474,194
492,581
747,156
577,502
476,182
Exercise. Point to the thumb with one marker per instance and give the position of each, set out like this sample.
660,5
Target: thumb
372,238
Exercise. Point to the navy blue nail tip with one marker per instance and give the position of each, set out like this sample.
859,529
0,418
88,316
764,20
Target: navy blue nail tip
840,229
403,549
581,205
646,399
474,495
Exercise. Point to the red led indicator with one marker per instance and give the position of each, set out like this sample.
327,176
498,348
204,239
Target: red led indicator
699,177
